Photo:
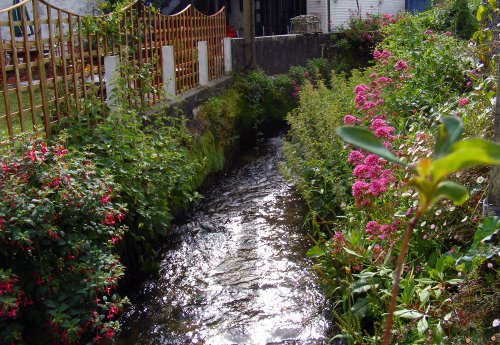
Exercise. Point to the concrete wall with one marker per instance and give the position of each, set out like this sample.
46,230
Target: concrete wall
275,54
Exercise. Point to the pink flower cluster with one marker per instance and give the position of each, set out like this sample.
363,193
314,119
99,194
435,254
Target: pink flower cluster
339,242
382,56
372,177
367,97
462,102
388,19
382,232
381,129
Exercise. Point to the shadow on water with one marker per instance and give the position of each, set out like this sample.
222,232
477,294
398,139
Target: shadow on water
236,272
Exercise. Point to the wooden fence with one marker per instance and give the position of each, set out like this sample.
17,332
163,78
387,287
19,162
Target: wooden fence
52,60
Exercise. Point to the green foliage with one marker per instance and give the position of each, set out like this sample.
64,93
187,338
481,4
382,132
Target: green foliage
312,150
59,224
419,77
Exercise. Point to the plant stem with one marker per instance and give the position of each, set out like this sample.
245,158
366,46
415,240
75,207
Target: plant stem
397,276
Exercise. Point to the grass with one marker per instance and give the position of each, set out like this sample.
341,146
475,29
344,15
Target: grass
14,107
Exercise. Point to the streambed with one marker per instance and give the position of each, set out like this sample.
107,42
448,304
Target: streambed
236,272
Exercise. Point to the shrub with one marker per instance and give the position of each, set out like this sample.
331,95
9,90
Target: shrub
58,229
399,100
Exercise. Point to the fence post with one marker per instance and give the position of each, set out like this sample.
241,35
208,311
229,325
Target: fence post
203,62
111,70
168,71
228,56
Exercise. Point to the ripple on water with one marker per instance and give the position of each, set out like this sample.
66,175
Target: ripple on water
237,273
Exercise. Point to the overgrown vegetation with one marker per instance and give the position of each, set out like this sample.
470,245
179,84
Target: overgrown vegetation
421,73
61,233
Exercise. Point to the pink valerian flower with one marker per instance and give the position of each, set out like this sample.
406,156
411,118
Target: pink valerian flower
447,34
361,89
355,157
338,241
381,55
350,120
374,75
428,32
359,188
401,66
388,19
462,102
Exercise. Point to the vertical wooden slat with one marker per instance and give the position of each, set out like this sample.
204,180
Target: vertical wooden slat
5,89
27,53
54,66
41,67
73,62
63,57
15,62
82,58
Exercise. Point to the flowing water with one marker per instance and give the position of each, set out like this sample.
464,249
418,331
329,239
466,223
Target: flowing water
236,272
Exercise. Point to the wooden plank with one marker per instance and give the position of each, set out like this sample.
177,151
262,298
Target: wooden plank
41,68
16,71
28,69
54,65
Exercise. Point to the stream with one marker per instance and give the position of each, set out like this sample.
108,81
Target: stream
236,272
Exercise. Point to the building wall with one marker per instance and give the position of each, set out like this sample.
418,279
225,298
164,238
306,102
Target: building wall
83,7
342,10
76,6
319,8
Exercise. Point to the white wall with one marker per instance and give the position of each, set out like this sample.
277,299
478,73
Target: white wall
319,8
83,7
342,10
75,6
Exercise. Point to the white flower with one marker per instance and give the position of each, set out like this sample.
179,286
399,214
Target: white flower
438,212
480,179
496,323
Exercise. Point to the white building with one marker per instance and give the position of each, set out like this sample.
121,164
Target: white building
342,10
85,7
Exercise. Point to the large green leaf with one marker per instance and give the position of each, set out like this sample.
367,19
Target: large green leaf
366,140
489,227
316,251
466,154
455,192
408,314
449,132
481,13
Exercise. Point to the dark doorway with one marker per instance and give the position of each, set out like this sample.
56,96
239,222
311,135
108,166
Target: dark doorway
275,15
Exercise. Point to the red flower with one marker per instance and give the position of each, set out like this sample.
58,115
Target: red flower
105,199
109,220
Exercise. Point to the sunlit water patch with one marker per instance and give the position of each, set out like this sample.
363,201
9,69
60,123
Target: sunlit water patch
236,272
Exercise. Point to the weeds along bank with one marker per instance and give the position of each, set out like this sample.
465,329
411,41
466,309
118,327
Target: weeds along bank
422,71
95,202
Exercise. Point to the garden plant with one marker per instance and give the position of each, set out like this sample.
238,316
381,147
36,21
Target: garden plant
395,192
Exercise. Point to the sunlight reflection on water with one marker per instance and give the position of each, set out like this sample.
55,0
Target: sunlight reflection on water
237,273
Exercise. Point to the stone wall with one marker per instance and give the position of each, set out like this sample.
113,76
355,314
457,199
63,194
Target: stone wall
275,54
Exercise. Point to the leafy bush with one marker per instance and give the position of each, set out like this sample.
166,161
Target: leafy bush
399,100
58,229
